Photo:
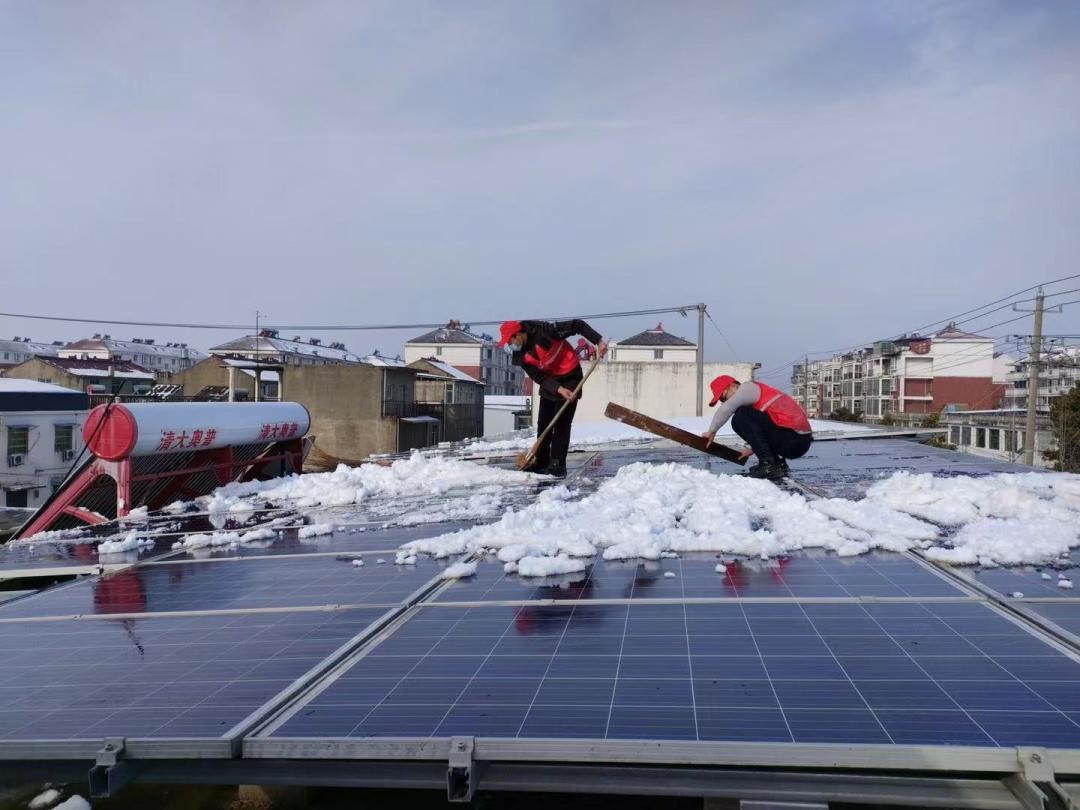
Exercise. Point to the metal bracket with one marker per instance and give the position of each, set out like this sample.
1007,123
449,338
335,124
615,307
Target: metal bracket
1035,786
111,771
461,771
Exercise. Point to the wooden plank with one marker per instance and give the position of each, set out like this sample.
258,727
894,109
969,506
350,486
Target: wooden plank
666,431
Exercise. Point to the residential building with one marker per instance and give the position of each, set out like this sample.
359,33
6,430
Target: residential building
505,414
161,358
270,348
478,355
99,377
40,438
653,344
357,409
20,349
998,434
1059,373
451,396
661,390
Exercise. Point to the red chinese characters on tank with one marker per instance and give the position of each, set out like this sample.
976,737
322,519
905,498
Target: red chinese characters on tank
279,430
182,440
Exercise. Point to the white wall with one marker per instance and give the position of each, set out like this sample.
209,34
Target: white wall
42,462
497,421
657,388
963,358
454,355
644,354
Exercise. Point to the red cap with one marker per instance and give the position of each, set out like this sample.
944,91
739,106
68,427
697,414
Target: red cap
508,330
719,386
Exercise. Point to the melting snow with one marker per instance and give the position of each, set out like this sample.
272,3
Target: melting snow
44,799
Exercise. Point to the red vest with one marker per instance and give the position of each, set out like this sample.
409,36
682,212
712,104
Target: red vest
557,360
782,409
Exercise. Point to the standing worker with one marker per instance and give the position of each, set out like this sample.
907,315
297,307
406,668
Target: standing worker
768,420
541,349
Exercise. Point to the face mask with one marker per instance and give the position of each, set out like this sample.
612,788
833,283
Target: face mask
510,348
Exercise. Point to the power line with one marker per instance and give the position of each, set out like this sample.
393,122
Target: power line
340,327
716,326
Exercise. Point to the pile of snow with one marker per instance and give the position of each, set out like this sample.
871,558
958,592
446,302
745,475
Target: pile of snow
316,530
1007,519
132,542
458,570
136,515
590,434
74,803
646,510
652,511
464,491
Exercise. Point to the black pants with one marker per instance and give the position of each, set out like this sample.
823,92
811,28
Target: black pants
557,444
768,440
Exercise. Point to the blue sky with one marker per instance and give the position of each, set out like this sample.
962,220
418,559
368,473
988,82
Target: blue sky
819,173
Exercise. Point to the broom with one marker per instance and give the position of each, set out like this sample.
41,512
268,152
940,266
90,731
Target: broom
524,459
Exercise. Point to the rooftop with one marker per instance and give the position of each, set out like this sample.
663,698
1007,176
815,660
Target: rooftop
272,344
449,370
99,368
149,346
656,337
878,665
452,333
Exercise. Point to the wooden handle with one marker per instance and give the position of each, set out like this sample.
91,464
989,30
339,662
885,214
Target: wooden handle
565,405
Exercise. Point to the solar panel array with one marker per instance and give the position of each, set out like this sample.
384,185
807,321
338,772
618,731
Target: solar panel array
881,648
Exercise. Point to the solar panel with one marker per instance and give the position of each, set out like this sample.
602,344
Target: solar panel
164,677
1065,614
1029,581
231,584
801,575
909,673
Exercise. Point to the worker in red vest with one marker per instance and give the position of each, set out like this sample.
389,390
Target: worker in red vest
541,349
767,419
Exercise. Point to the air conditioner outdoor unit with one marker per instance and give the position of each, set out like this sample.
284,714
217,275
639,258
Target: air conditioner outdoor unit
16,459
67,455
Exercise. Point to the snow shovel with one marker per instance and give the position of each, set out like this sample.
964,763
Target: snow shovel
525,459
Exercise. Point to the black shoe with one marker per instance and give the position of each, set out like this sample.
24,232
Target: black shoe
556,469
769,470
782,464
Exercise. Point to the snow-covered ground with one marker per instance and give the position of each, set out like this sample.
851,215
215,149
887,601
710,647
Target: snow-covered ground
592,434
646,510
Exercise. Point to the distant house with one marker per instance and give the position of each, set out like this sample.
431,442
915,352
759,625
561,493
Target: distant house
161,358
269,347
505,414
654,345
112,377
20,349
450,395
478,355
40,438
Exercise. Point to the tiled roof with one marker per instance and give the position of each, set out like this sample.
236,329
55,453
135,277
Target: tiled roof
448,335
656,337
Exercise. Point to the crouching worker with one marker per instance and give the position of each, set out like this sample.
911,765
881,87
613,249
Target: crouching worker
541,349
768,420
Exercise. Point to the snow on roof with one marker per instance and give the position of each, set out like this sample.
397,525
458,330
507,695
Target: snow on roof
99,368
134,346
656,337
448,335
9,385
450,370
262,344
27,346
503,399
381,360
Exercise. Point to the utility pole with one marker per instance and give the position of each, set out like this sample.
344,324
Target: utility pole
806,384
700,360
1033,381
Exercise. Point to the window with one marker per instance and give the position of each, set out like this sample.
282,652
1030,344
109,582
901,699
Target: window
980,437
658,354
965,436
63,438
995,439
18,440
954,434
438,351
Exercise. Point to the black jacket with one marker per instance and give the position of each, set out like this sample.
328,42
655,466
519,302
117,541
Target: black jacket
544,333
